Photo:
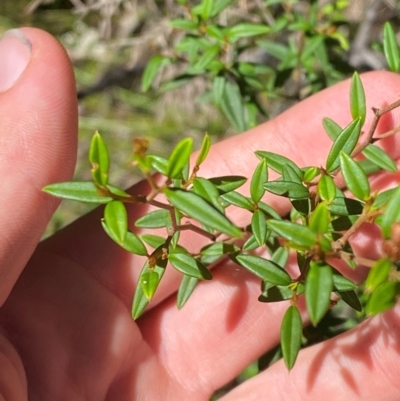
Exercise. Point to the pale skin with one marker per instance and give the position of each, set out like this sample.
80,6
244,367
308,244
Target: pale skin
66,328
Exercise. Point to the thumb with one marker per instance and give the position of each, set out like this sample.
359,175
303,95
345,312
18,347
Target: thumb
38,127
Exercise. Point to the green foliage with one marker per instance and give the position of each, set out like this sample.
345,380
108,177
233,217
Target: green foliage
329,204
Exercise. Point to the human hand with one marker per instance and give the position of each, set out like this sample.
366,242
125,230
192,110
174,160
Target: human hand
66,328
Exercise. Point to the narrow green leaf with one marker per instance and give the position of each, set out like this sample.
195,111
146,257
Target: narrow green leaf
310,173
183,24
327,188
116,220
265,269
188,265
228,183
358,106
186,289
319,285
152,240
179,158
218,89
205,148
298,234
140,301
245,30
391,47
207,8
383,298
237,199
82,191
354,177
320,219
391,214
99,159
213,252
378,274
341,283
379,157
269,210
208,191
232,106
205,59
345,206
345,142
259,178
220,5
277,293
288,189
259,227
351,299
280,256
151,71
250,244
149,283
159,163
291,333
154,219
276,162
290,174
332,128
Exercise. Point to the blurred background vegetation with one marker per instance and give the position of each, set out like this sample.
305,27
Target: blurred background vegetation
309,45
215,68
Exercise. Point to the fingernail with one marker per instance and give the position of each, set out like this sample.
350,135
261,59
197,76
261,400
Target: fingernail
15,53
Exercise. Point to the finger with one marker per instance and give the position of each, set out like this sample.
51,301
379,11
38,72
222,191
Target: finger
38,126
297,134
359,365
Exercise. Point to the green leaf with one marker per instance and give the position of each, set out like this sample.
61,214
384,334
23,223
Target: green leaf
207,8
259,227
320,219
228,183
186,289
383,298
140,301
196,207
345,206
351,299
237,199
99,159
188,265
213,252
291,334
250,244
159,163
345,142
154,241
205,148
319,285
208,191
298,234
327,188
378,274
260,176
311,173
218,89
341,283
280,256
288,189
220,5
358,106
332,128
116,220
151,71
277,293
265,269
179,158
391,214
183,24
245,30
354,177
379,157
277,162
149,282
82,191
391,47
232,106
154,219
205,59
